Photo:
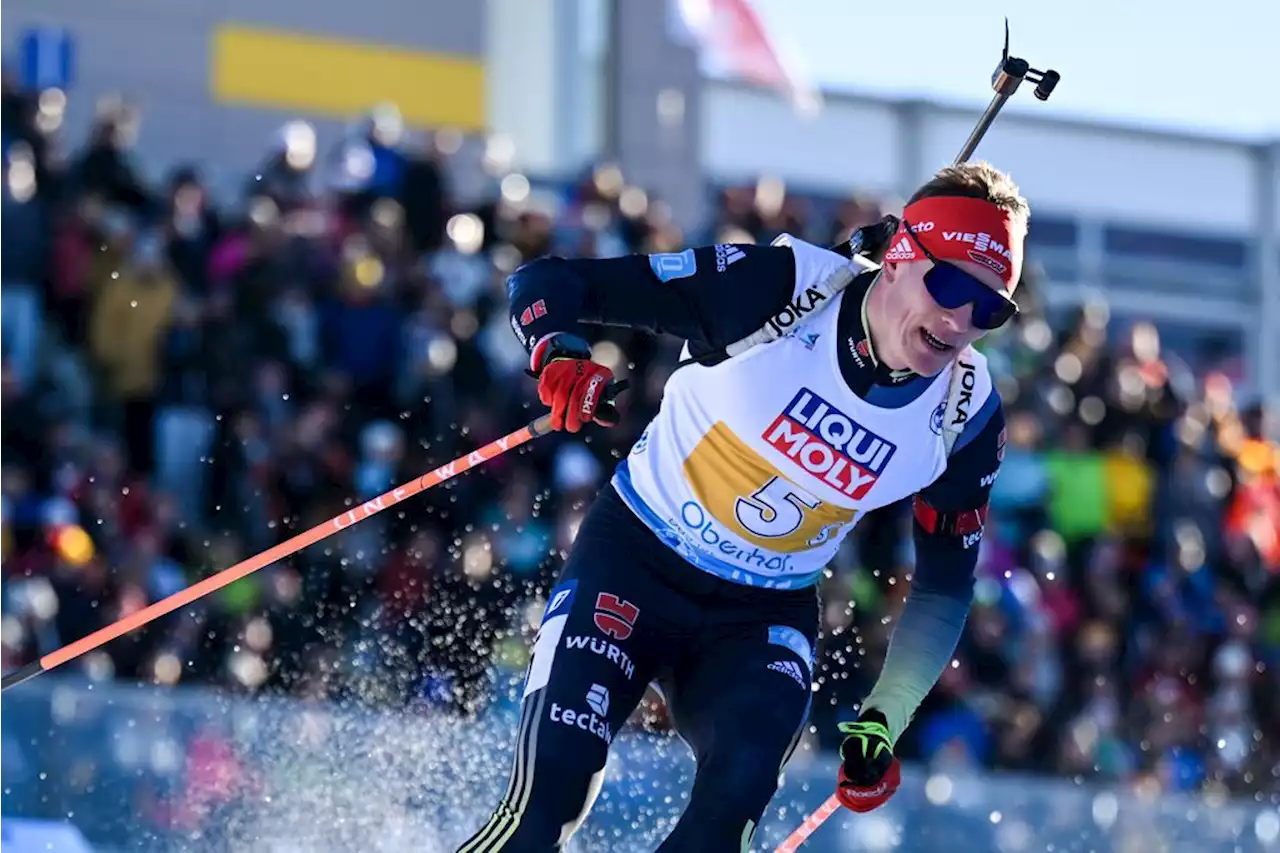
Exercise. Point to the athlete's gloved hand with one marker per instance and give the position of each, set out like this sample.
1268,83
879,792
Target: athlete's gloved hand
872,241
570,383
869,772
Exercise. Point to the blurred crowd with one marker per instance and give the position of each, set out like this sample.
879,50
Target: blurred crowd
188,382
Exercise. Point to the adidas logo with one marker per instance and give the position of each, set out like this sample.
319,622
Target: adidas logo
901,251
791,668
726,255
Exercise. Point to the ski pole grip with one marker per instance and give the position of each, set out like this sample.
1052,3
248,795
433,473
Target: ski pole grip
607,408
616,388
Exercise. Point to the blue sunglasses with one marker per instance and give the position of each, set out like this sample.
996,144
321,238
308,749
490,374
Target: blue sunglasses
952,288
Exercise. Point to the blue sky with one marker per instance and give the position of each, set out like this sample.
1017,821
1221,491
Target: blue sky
1219,62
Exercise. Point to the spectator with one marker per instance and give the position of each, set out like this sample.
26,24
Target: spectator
191,230
360,329
131,313
105,167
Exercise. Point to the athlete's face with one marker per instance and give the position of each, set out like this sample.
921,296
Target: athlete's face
914,332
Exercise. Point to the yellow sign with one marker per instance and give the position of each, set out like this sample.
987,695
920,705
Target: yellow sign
301,73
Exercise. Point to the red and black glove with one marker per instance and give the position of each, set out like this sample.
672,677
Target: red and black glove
869,771
571,384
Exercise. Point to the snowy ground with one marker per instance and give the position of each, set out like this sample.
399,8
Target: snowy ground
323,779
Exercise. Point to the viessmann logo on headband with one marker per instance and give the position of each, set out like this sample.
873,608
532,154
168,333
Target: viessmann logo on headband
984,246
959,229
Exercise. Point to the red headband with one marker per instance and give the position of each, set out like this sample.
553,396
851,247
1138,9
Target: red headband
955,228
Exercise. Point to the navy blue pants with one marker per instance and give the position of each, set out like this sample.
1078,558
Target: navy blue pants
733,662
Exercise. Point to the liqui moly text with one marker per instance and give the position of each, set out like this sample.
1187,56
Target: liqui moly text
829,444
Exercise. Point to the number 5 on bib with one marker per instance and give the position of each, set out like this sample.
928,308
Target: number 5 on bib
738,488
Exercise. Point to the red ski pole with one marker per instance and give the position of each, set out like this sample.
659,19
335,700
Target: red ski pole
810,825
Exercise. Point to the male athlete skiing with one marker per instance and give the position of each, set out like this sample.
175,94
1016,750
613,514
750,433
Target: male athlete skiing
697,568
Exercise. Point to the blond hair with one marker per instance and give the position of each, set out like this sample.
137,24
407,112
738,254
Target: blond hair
979,180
